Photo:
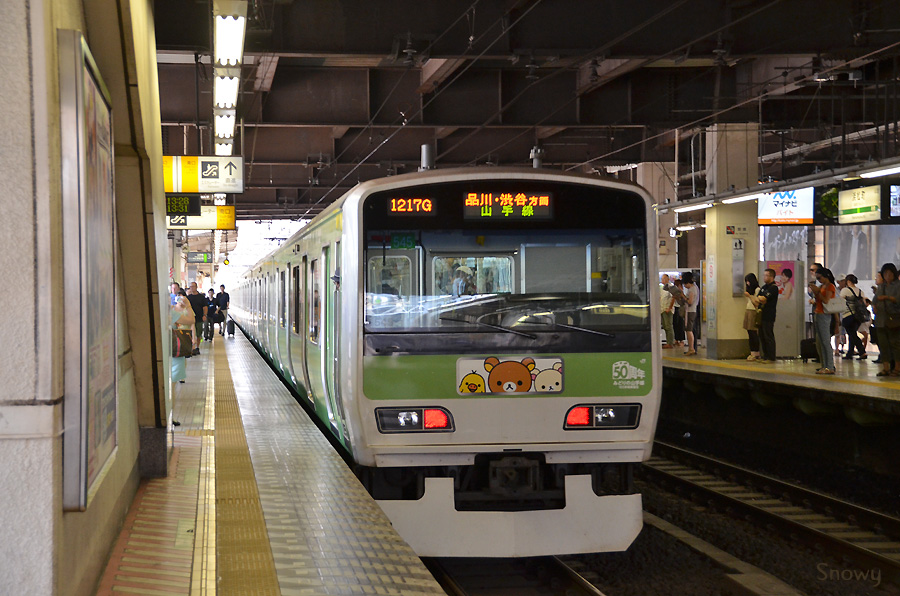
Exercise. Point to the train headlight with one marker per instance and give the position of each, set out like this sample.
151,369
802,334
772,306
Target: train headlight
605,416
406,420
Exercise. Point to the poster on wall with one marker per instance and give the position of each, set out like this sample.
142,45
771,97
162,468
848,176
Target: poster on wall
89,241
848,249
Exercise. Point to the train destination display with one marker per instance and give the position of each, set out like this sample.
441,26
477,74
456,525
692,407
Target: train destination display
508,205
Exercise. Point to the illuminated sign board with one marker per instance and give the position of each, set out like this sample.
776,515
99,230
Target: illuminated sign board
203,174
508,205
791,207
895,201
859,204
212,217
182,204
199,257
411,206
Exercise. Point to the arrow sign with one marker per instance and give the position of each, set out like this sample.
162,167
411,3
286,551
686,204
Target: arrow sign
231,168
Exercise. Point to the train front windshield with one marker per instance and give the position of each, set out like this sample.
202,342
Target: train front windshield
464,266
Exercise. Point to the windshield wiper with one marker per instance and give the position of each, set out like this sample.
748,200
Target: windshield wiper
483,324
576,328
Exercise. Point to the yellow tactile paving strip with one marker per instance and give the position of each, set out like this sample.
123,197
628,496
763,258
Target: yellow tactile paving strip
245,564
854,378
203,570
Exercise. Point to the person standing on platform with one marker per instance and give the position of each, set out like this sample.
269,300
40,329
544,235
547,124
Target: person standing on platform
692,299
175,289
768,299
853,296
751,291
678,318
198,305
887,317
181,317
824,321
223,301
210,323
666,309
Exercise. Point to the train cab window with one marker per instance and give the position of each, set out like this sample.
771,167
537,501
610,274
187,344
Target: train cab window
466,276
314,301
391,275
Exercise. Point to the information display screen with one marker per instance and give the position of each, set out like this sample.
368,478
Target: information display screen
508,204
182,204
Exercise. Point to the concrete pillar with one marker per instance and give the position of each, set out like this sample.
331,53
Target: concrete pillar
731,162
657,178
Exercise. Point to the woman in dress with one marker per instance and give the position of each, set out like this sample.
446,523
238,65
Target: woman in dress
751,291
181,317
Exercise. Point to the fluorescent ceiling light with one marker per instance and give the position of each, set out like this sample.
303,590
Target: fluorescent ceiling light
880,172
225,126
224,148
692,207
226,91
229,40
742,199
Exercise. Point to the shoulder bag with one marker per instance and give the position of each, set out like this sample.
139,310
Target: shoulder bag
836,305
181,343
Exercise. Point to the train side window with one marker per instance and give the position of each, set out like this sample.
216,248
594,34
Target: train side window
297,309
282,297
314,301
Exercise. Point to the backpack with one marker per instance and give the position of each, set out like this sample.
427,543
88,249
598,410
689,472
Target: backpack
857,306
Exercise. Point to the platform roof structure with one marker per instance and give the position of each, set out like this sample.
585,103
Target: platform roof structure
338,91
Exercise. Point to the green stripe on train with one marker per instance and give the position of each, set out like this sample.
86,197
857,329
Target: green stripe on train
435,377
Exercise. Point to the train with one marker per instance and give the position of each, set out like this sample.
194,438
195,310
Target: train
482,343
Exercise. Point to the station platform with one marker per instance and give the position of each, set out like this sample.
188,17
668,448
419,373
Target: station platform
854,386
257,500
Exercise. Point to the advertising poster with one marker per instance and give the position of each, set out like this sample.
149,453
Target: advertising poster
789,312
89,243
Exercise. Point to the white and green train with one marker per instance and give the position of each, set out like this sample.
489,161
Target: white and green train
483,343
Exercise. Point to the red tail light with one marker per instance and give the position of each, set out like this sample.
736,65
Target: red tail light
578,417
436,419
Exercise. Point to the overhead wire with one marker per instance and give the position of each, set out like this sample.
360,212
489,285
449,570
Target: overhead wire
426,104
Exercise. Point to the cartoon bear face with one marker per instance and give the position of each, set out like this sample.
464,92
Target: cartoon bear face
472,383
549,380
510,376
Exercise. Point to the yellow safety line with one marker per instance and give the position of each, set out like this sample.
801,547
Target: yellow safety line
203,569
758,367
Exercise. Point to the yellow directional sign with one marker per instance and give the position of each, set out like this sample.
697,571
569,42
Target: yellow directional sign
219,217
203,174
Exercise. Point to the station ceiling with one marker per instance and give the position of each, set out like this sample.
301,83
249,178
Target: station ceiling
339,91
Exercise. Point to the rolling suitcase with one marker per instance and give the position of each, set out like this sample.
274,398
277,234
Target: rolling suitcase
808,350
229,327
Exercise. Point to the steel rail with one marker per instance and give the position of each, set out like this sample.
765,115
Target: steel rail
868,538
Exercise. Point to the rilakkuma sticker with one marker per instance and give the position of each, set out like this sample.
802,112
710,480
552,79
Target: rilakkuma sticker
493,374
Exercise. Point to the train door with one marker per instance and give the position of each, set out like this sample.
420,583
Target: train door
302,323
328,342
290,321
280,322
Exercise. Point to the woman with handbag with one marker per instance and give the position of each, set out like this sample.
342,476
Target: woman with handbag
887,315
824,294
752,314
181,322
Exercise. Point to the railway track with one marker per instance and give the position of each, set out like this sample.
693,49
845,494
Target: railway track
868,538
536,576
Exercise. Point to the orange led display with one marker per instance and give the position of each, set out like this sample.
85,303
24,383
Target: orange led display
508,205
411,206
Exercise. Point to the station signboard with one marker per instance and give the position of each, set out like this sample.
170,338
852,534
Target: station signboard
859,205
212,217
787,208
199,257
203,174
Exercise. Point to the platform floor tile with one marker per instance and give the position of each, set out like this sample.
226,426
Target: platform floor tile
327,535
